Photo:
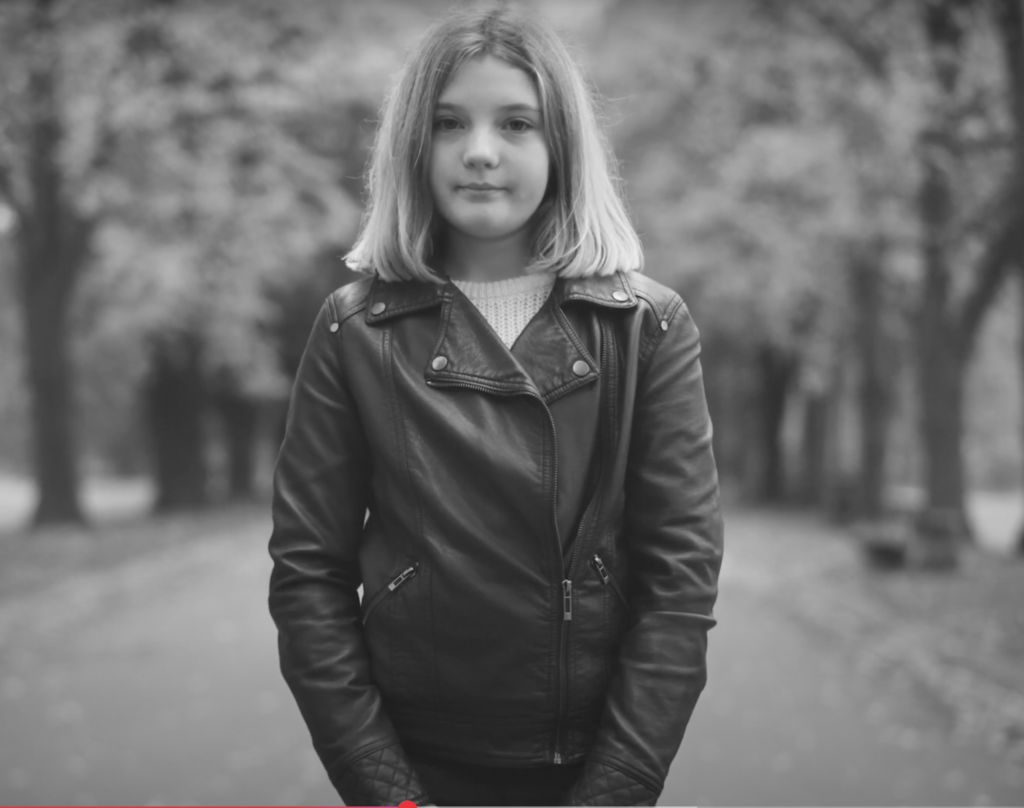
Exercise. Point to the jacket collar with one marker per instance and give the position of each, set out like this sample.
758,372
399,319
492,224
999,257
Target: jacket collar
393,299
549,359
612,291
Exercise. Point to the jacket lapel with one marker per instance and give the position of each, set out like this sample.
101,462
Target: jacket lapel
468,350
552,354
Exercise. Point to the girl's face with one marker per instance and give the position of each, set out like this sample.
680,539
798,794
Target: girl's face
488,160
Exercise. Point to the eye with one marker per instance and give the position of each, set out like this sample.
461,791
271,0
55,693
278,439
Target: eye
520,125
446,124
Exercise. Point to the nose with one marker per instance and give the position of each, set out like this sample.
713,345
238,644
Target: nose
481,149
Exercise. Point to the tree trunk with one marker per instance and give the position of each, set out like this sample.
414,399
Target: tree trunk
52,250
175,401
1019,546
726,401
49,378
840,461
940,385
940,343
776,369
940,370
813,443
239,416
867,279
1010,23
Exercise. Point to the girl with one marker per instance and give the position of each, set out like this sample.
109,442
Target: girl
501,434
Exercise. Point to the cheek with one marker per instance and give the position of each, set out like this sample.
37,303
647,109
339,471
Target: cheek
436,173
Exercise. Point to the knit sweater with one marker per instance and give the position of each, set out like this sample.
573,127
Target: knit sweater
510,304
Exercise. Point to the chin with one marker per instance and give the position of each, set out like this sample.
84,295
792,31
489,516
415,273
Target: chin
488,230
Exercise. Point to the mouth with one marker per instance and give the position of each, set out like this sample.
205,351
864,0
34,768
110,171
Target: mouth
479,186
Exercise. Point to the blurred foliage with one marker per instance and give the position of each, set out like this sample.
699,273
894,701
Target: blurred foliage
222,147
757,150
765,145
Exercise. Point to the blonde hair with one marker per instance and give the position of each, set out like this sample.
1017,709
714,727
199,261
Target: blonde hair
581,226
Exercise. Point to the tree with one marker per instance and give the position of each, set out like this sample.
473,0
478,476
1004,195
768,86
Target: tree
226,196
53,236
968,222
750,205
946,330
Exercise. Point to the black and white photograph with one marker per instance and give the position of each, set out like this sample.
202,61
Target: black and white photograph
512,402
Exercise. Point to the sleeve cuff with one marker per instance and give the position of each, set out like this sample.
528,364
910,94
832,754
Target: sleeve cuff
603,784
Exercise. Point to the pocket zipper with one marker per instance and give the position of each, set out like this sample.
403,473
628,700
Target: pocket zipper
608,580
401,578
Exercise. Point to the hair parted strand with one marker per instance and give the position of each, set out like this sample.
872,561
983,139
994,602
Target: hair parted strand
580,229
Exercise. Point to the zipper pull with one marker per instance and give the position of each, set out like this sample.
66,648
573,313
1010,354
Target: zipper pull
599,566
401,579
567,599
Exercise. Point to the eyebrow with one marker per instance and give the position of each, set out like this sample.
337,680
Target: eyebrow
503,108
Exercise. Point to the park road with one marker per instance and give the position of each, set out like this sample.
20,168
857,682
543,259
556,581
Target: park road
155,681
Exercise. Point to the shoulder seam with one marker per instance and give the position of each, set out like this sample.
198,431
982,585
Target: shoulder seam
340,315
354,309
667,317
650,301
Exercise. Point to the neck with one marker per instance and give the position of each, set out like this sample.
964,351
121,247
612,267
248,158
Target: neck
470,259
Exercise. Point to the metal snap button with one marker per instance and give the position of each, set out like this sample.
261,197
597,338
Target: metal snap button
378,308
619,295
580,368
439,362
664,325
334,327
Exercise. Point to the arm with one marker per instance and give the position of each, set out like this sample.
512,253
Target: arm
673,530
320,498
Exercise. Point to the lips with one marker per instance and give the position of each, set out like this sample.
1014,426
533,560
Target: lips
480,186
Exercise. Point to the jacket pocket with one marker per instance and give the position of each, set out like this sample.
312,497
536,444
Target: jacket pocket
382,594
398,630
600,621
608,580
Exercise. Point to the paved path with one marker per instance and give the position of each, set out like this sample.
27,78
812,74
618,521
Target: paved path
157,683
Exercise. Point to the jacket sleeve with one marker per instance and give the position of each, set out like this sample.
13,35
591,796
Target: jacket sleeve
319,505
673,531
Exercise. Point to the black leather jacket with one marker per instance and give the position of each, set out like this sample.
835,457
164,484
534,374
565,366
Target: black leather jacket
537,533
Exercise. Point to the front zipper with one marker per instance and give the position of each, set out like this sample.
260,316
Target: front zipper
563,679
402,577
563,639
563,651
600,476
608,580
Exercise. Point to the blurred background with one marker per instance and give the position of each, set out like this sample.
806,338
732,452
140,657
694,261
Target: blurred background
837,191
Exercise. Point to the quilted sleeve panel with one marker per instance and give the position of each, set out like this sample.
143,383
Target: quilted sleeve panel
383,777
601,784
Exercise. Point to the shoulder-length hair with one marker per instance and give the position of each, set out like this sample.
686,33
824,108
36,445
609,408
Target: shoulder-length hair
581,228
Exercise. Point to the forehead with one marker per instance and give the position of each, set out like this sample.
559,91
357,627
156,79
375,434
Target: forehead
489,82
